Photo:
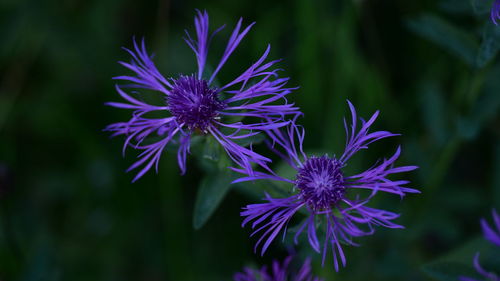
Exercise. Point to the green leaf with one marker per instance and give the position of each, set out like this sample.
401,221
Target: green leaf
447,36
449,271
434,111
490,44
467,127
212,190
252,140
481,7
211,149
210,155
484,109
460,262
256,189
462,7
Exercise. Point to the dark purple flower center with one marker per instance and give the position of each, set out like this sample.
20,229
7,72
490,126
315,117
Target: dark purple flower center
321,182
194,103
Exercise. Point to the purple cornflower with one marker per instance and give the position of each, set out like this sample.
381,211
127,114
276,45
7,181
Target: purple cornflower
194,105
494,238
495,11
328,196
279,272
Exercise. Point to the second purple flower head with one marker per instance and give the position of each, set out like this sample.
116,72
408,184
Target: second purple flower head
330,198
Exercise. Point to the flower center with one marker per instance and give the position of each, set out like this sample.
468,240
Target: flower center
194,103
321,182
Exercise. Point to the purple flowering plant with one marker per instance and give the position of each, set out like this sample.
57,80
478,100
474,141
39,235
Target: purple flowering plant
493,236
254,103
193,105
331,199
279,271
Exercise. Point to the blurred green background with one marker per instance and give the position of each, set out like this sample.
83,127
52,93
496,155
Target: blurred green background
69,212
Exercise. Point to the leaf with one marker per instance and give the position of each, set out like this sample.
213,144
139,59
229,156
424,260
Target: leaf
212,190
256,189
434,111
481,7
490,44
252,140
484,109
448,271
210,155
460,262
463,7
447,36
211,149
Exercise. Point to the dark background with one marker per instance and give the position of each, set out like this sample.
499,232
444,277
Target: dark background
69,212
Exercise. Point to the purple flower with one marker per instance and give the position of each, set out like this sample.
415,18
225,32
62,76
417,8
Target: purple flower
330,198
495,11
279,272
494,237
192,104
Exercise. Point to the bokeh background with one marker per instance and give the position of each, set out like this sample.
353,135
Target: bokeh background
68,211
